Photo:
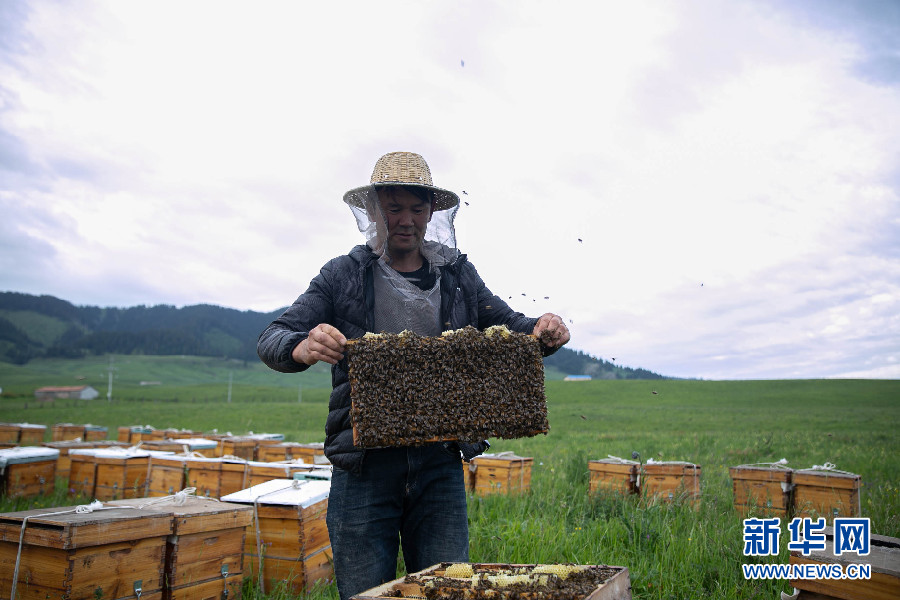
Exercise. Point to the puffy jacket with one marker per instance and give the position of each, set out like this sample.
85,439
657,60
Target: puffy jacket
342,295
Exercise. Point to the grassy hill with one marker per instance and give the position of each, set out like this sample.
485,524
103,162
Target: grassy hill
45,327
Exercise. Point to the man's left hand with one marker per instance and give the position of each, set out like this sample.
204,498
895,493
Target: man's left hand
551,330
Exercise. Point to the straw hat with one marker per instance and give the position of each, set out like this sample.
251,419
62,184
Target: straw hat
405,169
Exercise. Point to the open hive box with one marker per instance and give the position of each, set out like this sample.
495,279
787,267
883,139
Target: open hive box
825,493
502,473
464,385
613,474
670,481
883,583
205,551
63,462
762,490
109,554
492,581
289,532
110,473
27,471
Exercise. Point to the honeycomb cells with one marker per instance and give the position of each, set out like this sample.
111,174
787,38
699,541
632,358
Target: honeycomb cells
408,389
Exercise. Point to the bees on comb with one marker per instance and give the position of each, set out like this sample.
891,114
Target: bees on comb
465,385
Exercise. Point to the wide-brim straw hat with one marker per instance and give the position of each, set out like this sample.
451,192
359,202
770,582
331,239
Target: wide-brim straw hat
402,169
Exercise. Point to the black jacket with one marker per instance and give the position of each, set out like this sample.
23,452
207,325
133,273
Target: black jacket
342,295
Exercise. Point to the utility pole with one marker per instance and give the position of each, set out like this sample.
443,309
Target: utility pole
109,388
230,374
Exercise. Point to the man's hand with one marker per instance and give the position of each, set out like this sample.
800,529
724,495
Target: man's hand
551,331
324,343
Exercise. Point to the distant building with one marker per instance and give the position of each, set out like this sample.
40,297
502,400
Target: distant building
577,378
77,392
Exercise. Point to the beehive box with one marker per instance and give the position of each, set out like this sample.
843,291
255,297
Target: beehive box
205,552
671,481
67,431
95,433
63,462
166,475
216,477
883,559
292,451
9,433
179,434
262,441
31,434
135,433
464,385
27,471
500,473
586,582
762,490
825,493
239,446
290,533
110,473
200,446
614,475
260,472
102,554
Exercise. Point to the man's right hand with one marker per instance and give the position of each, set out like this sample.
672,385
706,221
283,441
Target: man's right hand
324,343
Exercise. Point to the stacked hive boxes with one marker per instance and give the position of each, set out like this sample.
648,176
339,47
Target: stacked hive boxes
289,532
110,473
64,553
64,463
498,473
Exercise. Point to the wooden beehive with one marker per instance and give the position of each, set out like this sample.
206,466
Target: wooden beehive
63,463
67,431
762,490
613,475
239,446
31,434
671,481
883,583
501,473
205,552
292,451
594,582
260,472
216,477
101,554
139,433
95,433
166,475
201,446
825,493
27,471
465,385
289,532
110,473
179,434
9,433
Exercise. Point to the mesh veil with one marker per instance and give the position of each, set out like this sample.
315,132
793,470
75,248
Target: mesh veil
439,245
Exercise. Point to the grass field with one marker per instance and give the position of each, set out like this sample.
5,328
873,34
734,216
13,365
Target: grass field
671,551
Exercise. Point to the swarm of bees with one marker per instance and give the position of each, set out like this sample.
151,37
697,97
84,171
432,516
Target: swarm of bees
465,385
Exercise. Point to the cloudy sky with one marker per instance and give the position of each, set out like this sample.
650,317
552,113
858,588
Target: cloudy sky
703,188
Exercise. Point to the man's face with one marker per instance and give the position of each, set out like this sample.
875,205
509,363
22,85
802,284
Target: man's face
406,217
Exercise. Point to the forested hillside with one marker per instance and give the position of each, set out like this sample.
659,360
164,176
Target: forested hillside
45,326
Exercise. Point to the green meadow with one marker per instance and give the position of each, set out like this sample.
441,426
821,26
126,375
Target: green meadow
671,550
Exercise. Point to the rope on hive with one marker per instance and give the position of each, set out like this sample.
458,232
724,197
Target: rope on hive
80,509
178,498
780,464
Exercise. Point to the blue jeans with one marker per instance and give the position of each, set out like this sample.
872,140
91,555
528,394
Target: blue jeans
411,495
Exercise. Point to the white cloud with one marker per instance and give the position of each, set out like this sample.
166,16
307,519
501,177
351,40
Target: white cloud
728,167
